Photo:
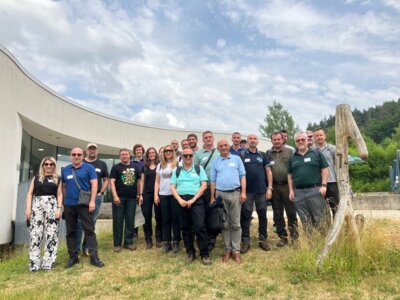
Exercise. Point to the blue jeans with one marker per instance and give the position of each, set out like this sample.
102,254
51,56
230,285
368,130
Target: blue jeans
79,228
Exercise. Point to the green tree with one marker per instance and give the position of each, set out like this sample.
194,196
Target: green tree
278,118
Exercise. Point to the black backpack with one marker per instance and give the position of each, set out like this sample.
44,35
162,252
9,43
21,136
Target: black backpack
179,169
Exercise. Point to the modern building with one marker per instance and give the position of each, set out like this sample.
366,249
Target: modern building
35,121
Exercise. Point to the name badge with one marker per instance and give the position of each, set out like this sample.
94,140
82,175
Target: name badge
247,160
132,170
70,176
50,180
193,175
307,159
272,162
98,170
231,164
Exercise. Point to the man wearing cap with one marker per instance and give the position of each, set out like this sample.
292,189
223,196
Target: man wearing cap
307,179
102,183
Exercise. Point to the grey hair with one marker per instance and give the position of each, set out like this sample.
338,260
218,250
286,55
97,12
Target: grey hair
298,133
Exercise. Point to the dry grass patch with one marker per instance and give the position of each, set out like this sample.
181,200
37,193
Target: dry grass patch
287,273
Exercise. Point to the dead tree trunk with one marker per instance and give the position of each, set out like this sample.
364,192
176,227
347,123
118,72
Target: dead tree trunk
345,128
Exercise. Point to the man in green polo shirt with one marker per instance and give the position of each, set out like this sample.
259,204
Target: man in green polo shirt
188,184
307,178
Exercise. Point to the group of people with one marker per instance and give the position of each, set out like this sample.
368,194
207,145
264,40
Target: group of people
180,187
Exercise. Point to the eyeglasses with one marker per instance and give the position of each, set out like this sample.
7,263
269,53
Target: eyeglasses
168,151
76,154
187,155
300,140
48,164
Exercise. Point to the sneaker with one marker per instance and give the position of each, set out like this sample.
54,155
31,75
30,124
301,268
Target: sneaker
264,245
117,249
130,247
205,260
245,248
282,242
72,262
95,261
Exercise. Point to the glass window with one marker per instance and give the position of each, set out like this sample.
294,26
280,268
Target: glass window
40,150
25,157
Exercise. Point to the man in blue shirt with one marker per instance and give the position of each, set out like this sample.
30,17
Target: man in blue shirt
228,181
236,147
188,184
85,175
259,189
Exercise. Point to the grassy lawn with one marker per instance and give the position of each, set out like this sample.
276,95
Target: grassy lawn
288,273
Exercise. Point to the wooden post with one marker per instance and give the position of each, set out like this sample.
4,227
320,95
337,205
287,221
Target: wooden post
345,128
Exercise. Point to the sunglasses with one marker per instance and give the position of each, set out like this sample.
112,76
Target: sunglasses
187,155
167,151
48,164
76,154
300,140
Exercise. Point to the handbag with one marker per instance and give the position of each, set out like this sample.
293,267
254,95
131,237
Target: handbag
139,218
84,196
216,216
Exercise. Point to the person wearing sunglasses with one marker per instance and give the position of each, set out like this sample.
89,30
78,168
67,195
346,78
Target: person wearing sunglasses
307,179
170,209
188,184
43,212
76,177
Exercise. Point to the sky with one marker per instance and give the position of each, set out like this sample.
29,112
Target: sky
209,64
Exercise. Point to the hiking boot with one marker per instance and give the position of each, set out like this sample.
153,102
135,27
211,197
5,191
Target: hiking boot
205,260
264,245
117,248
95,261
245,248
72,262
283,241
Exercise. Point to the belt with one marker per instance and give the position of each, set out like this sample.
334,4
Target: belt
230,191
308,186
186,197
280,183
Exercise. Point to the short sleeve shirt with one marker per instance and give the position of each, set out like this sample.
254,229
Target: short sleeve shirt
101,171
188,182
126,177
226,172
165,178
84,174
256,177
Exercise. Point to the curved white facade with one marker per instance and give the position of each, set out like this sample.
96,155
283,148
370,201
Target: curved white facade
27,104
